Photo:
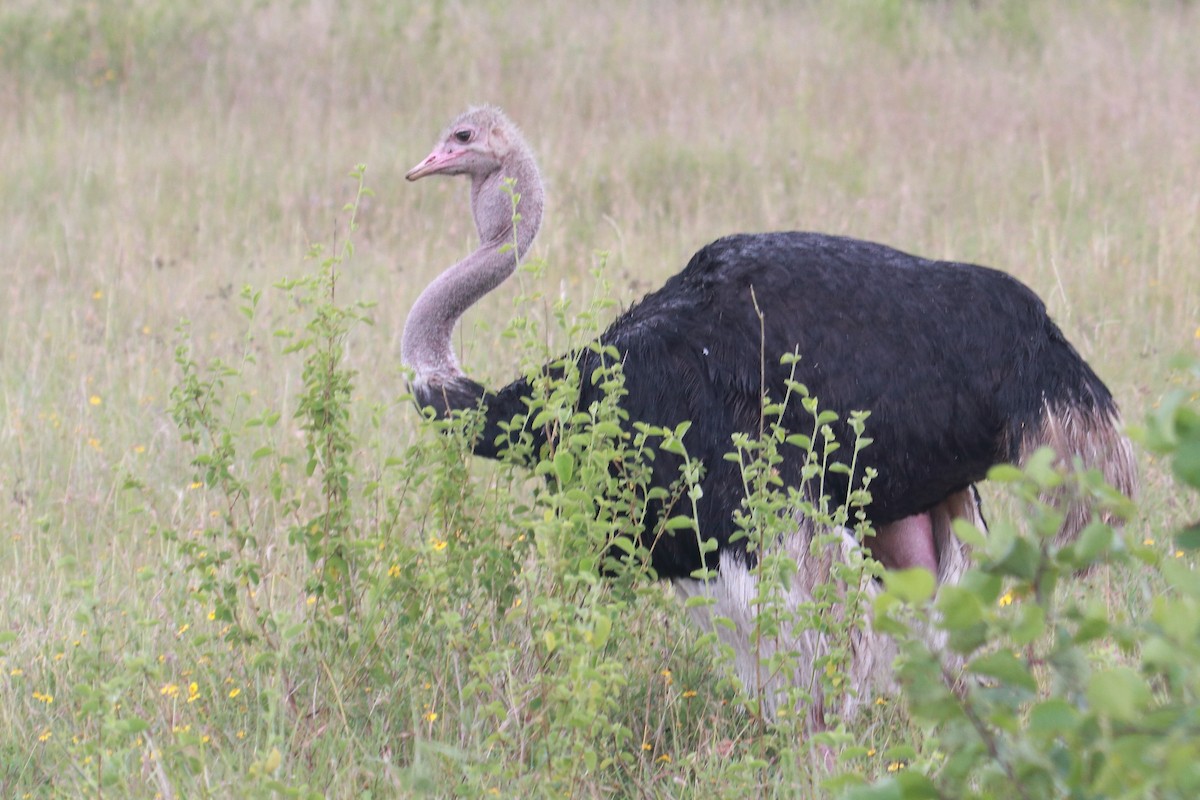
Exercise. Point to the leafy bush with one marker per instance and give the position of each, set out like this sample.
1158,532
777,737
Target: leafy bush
1060,699
489,607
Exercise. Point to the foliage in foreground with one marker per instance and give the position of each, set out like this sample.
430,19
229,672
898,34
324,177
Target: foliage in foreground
1061,699
361,619
448,617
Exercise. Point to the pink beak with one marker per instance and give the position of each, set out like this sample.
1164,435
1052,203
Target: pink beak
437,161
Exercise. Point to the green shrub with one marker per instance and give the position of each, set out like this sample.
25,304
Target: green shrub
484,605
1059,698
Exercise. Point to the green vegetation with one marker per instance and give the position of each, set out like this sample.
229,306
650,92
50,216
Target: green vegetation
238,564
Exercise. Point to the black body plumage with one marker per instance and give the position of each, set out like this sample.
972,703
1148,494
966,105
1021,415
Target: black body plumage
955,362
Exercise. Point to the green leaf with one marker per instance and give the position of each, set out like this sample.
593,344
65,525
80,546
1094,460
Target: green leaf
600,631
1030,624
1180,576
1119,693
1020,559
564,466
1053,716
1005,473
608,428
985,586
916,786
133,725
680,522
799,440
1187,457
911,585
292,631
265,661
1160,654
273,760
886,789
673,446
959,608
969,534
624,543
968,640
1189,537
1094,540
900,752
1004,667
1041,468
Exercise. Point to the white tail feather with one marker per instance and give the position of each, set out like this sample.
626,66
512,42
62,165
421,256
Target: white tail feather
736,587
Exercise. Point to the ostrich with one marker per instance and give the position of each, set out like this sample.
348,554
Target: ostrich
959,365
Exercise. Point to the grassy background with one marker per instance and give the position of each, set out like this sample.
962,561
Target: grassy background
155,158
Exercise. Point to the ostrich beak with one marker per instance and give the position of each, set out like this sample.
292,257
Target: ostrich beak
436,162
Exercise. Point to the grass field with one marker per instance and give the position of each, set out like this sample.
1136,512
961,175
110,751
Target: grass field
165,632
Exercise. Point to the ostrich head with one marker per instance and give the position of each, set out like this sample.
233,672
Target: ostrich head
486,146
474,144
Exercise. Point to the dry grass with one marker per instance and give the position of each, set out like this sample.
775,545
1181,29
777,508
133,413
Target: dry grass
154,160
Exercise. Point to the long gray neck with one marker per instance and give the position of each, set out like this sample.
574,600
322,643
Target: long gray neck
426,346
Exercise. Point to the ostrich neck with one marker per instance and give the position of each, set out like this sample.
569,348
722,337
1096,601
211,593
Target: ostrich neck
426,345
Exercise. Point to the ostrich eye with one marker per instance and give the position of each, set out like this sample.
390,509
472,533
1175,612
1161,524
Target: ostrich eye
463,136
